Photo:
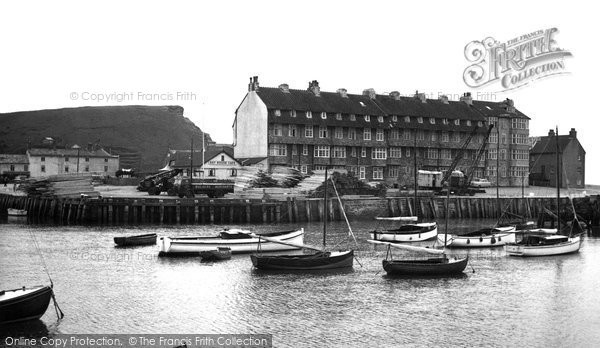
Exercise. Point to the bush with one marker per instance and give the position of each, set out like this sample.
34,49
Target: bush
263,179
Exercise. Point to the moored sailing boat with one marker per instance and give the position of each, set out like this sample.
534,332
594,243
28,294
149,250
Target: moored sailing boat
321,259
407,233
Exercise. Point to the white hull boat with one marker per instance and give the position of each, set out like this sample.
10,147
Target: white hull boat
494,237
16,212
407,233
397,218
238,242
544,246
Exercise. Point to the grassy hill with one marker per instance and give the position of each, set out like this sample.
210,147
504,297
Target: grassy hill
141,135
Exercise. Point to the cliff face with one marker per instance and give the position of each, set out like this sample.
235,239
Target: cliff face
141,135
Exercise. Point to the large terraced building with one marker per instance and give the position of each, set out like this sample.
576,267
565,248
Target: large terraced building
377,136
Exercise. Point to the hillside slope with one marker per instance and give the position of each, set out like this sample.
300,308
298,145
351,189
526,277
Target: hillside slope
141,135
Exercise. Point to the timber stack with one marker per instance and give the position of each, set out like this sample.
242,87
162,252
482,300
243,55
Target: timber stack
63,186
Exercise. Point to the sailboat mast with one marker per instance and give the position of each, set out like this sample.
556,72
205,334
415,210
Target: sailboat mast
325,211
498,171
447,211
415,170
557,183
192,159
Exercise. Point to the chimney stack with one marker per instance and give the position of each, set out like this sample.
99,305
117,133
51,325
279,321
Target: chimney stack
444,99
421,96
395,95
467,98
510,105
284,87
573,133
314,87
343,92
551,133
253,85
369,92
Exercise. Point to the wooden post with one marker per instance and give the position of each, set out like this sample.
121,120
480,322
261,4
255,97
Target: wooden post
295,205
178,211
307,207
290,212
248,211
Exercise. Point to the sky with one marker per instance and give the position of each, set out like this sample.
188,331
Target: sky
200,55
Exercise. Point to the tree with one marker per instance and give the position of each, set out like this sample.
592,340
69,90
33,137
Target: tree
263,179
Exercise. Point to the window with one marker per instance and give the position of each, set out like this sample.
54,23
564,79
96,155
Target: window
379,153
519,172
445,154
277,112
308,131
380,119
395,152
338,116
233,172
407,152
503,138
367,118
211,172
305,150
433,136
87,168
277,130
457,122
492,154
352,117
304,169
503,155
445,137
87,159
324,115
445,121
43,159
66,159
456,137
352,133
519,123
491,171
419,119
339,133
394,134
323,132
66,169
277,150
308,114
362,173
321,151
377,173
26,167
106,168
494,121
353,152
43,168
518,138
480,123
469,123
432,153
106,160
394,171
367,134
292,113
395,118
407,119
420,135
363,152
292,130
432,120
294,149
339,152
519,154
407,134
379,135
493,138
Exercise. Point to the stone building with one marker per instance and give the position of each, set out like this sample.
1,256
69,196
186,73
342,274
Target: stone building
377,136
542,159
44,161
13,165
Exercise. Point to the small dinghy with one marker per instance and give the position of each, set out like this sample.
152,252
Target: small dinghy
24,303
218,254
143,239
16,212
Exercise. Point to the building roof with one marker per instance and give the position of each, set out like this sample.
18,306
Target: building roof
382,105
70,152
13,159
182,157
248,161
547,144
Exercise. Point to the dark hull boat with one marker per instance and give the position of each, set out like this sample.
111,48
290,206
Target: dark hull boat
24,304
439,266
143,239
218,254
317,261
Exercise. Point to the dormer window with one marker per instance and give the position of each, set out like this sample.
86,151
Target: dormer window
293,113
457,122
380,119
480,124
394,118
432,120
420,119
407,119
352,117
338,116
308,114
367,118
445,121
324,115
277,112
469,123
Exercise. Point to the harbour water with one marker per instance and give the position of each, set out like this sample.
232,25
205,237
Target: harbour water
506,301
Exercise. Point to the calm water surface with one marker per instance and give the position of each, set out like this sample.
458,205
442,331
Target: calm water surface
102,289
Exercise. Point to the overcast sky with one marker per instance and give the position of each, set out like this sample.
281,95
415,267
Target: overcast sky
67,54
